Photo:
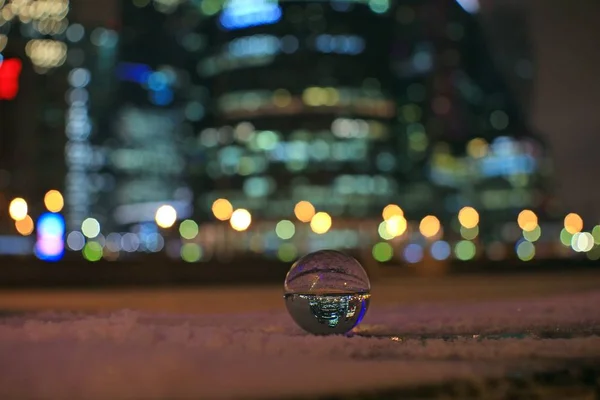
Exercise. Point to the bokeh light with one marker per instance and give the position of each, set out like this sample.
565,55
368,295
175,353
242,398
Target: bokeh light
287,252
413,253
396,225
383,252
468,217
51,225
527,220
525,250
440,250
465,250
594,254
240,219
165,216
573,223
75,240
596,234
392,210
320,223
565,237
90,228
304,211
191,252
222,209
285,229
429,226
582,242
54,201
533,235
92,251
18,209
382,230
25,226
469,233
188,229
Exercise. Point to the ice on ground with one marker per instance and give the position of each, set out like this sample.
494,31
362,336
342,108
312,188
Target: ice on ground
130,354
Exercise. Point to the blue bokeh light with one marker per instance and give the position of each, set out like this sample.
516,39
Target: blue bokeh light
440,250
51,225
413,253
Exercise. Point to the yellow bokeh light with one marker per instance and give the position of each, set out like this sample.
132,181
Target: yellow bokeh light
477,148
391,210
25,226
54,201
396,225
320,223
573,223
282,98
527,220
18,209
468,217
429,226
240,219
165,216
304,211
222,209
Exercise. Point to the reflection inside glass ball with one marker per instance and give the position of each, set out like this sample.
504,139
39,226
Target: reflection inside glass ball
327,292
325,314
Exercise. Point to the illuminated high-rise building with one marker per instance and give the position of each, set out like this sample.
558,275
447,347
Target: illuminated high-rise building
356,104
303,107
32,50
466,138
146,154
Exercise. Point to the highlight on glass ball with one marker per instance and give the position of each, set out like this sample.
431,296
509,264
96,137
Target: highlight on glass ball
327,292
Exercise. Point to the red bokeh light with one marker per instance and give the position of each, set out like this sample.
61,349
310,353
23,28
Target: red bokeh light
10,69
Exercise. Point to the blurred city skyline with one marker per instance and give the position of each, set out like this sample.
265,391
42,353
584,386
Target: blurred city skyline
423,104
564,37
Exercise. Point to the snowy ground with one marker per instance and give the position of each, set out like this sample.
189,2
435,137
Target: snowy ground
239,343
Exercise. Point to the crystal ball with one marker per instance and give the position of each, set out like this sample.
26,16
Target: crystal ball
327,292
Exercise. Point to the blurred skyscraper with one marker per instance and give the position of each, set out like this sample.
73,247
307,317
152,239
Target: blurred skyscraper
356,104
507,26
147,151
32,49
302,108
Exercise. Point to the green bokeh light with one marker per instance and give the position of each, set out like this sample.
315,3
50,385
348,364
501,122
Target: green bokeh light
594,254
92,251
525,251
565,237
379,6
210,7
596,234
383,252
469,233
191,252
188,229
285,229
533,235
465,250
383,232
287,252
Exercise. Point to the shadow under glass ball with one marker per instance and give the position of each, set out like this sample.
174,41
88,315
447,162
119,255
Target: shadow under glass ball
327,292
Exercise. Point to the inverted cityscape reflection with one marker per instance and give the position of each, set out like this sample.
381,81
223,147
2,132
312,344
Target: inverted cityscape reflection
327,314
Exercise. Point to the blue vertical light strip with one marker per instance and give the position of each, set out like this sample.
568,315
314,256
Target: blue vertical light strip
50,244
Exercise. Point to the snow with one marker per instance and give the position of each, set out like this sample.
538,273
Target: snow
261,354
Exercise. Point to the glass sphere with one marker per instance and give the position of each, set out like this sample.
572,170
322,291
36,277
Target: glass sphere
327,292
